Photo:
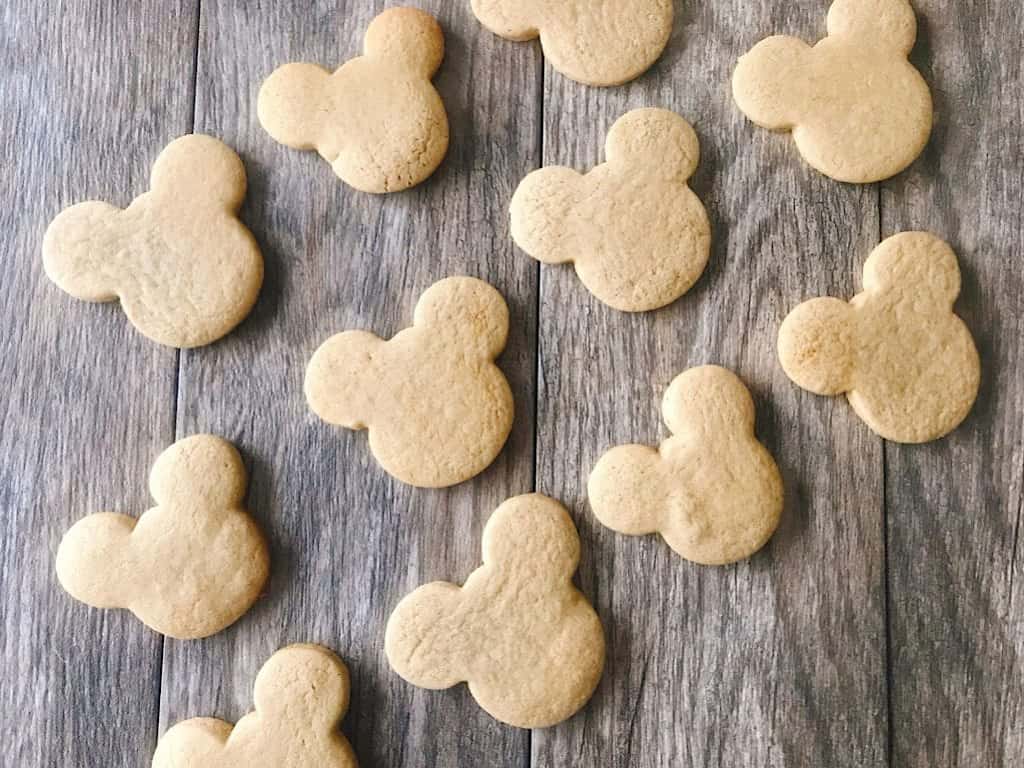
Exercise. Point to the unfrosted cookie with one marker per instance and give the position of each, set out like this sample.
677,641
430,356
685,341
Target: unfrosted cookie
638,235
377,119
190,566
185,268
437,408
301,694
518,632
711,490
595,43
907,364
858,110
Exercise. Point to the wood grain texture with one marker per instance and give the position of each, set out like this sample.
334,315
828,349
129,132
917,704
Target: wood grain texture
778,661
88,401
954,507
348,541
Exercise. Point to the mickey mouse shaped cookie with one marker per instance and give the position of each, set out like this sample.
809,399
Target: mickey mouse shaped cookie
711,490
858,110
590,42
437,408
518,632
301,693
185,268
377,119
190,566
638,235
907,364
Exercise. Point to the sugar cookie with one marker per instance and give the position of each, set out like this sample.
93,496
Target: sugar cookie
592,43
519,633
907,364
185,268
377,119
301,696
437,408
188,567
858,110
638,235
711,490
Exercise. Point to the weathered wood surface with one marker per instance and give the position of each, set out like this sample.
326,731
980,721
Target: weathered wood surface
880,627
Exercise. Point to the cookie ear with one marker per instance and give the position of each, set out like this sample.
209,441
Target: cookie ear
406,35
341,379
194,742
290,104
626,490
199,470
657,140
468,310
76,246
420,644
507,18
532,534
199,170
538,213
768,80
816,346
872,23
915,263
708,399
94,561
303,682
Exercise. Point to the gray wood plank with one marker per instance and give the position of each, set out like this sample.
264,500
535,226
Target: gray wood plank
89,96
954,507
779,661
348,541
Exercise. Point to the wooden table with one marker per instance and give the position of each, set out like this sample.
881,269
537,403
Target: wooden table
880,627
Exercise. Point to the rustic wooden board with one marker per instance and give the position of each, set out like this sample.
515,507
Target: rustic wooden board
348,541
92,93
780,660
954,507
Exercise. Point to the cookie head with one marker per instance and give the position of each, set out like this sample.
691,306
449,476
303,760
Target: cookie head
437,408
187,568
591,43
518,632
711,490
637,234
858,110
906,362
377,119
301,695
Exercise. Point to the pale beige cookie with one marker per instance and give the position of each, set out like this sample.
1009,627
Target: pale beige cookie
185,269
858,110
595,43
377,119
638,235
190,566
907,364
437,408
301,694
711,490
518,632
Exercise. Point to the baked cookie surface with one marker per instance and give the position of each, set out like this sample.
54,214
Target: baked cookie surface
907,363
377,119
301,696
590,42
437,408
712,491
184,268
518,632
637,234
858,110
188,567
